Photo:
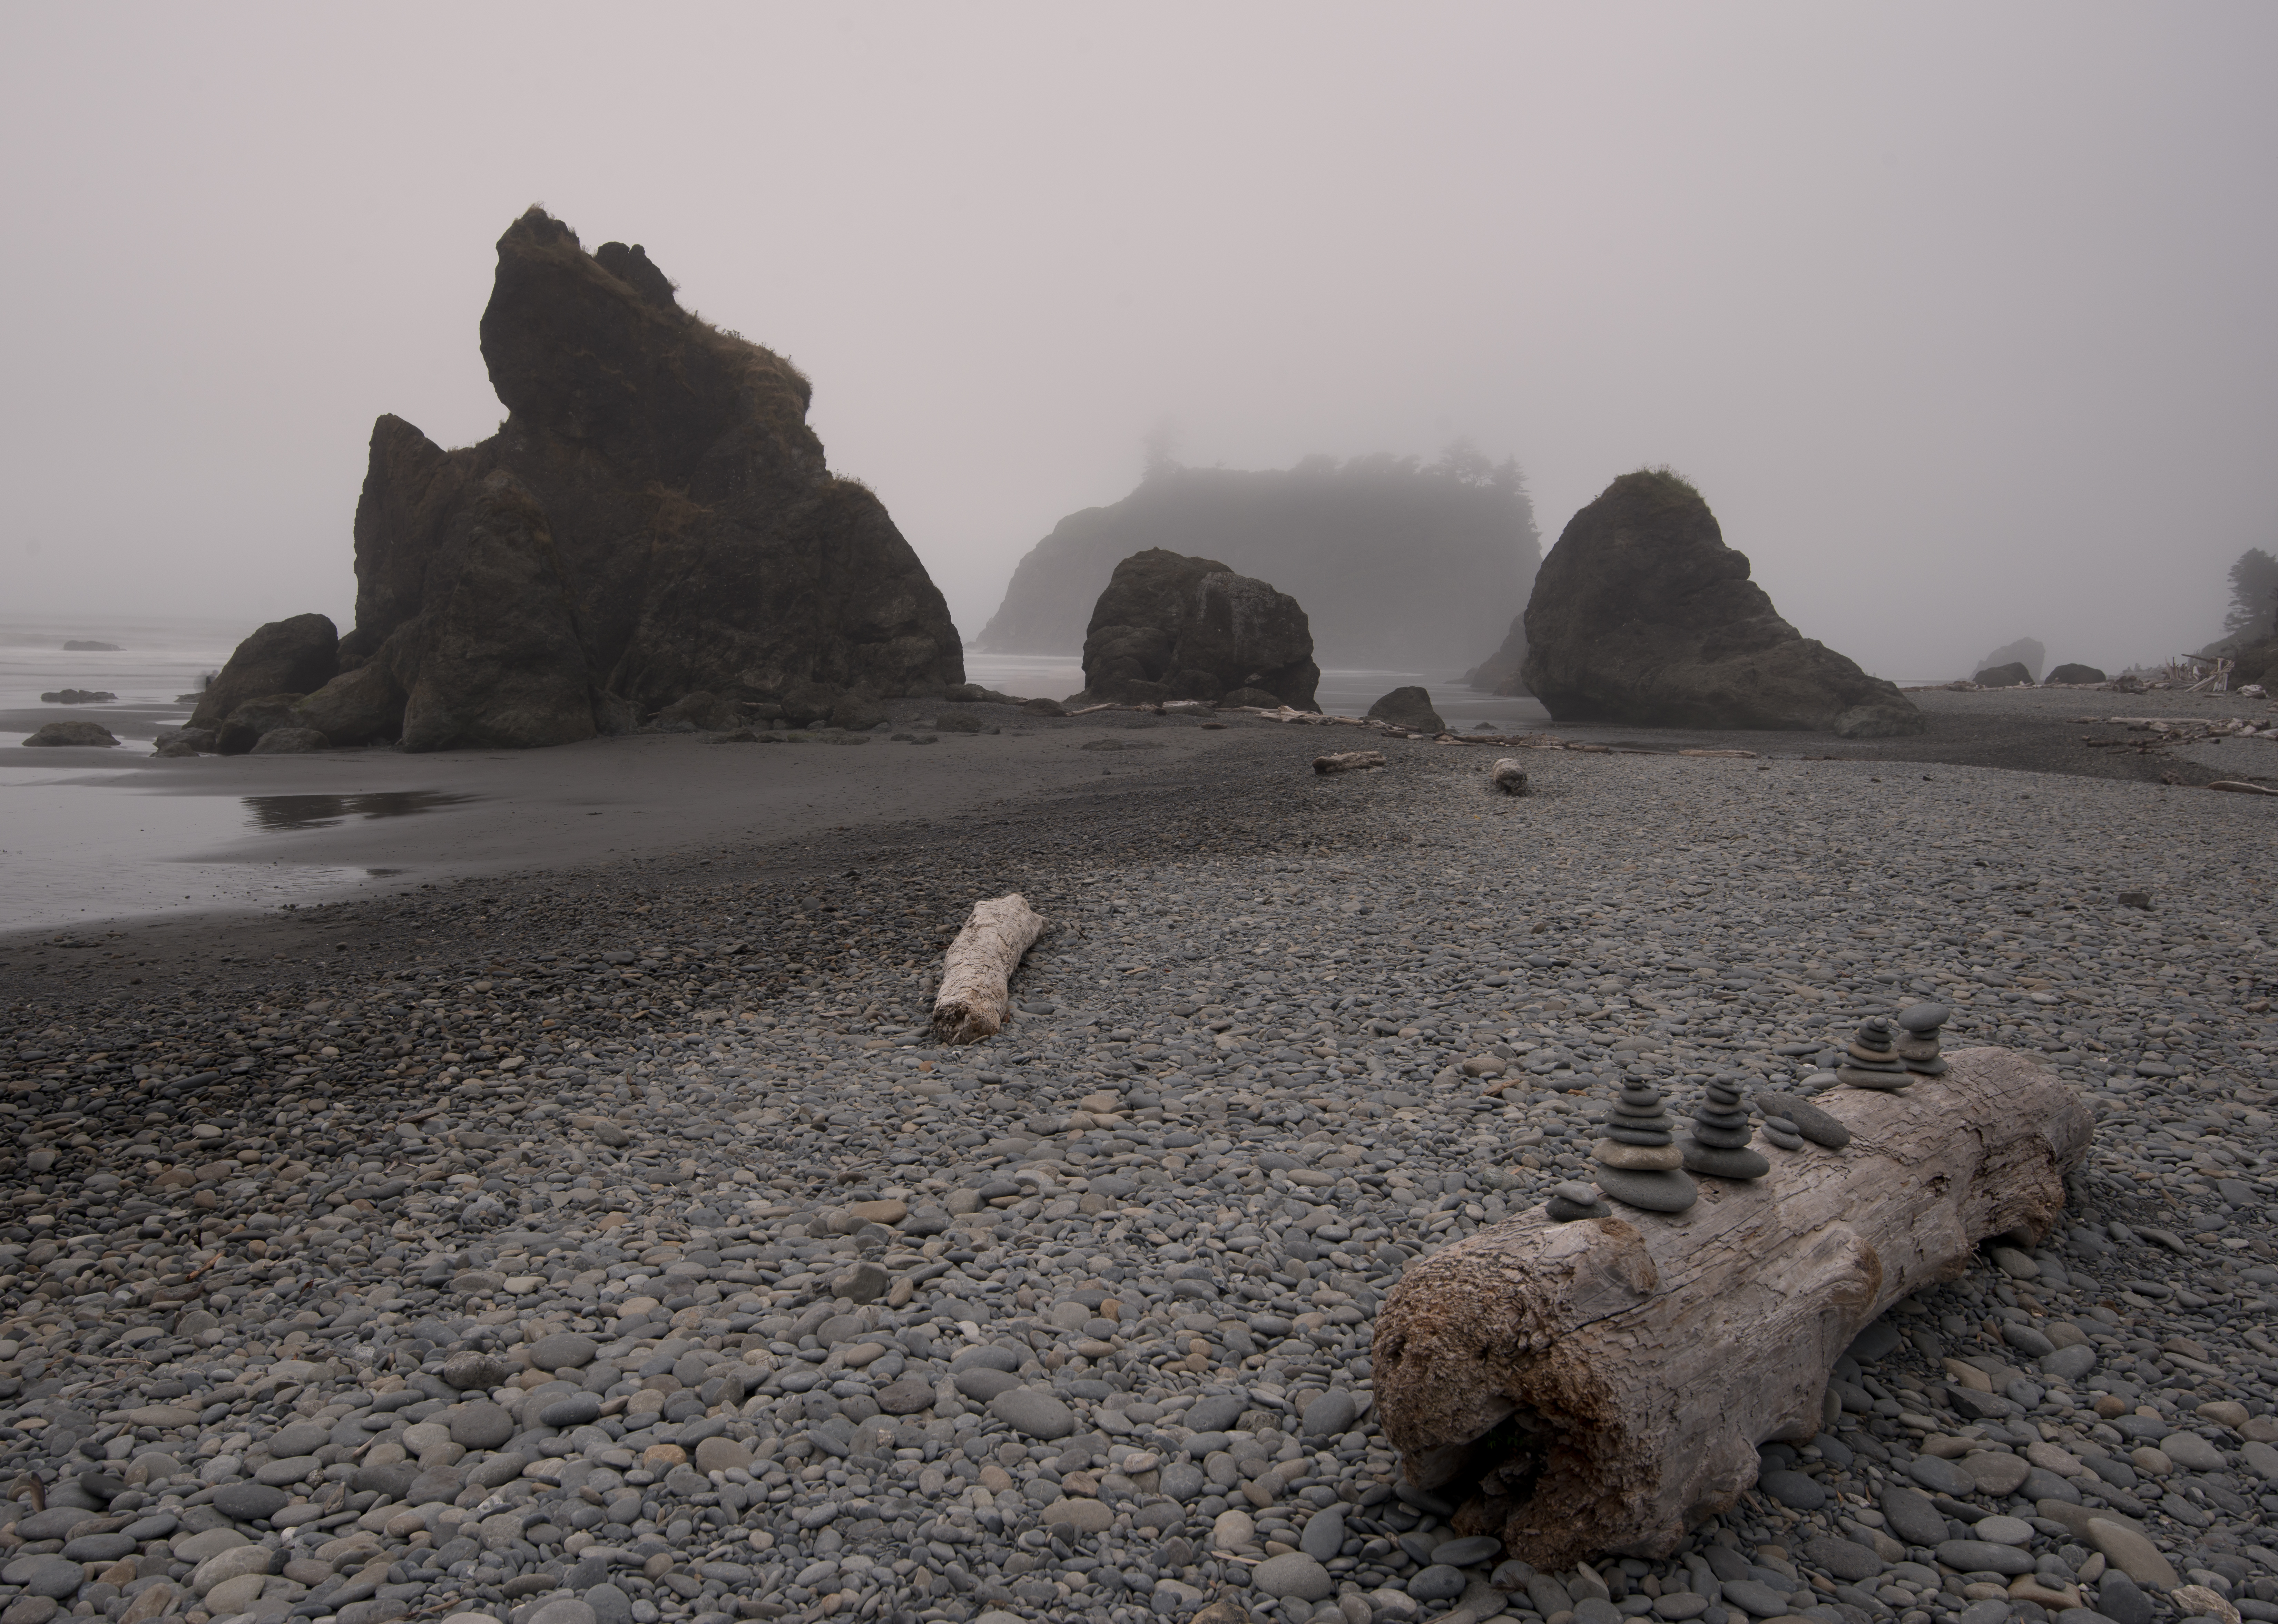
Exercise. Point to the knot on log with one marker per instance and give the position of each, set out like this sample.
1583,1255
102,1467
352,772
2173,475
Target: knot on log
1603,1385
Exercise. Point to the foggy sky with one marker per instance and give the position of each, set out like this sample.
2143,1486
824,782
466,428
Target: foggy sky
1960,317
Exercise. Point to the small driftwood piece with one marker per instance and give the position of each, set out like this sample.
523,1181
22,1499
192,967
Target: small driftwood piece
1603,1385
976,974
1348,760
1508,777
2237,787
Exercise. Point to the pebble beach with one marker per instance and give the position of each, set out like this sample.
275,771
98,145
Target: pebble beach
610,1243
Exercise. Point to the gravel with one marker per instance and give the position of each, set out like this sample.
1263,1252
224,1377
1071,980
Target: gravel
621,1250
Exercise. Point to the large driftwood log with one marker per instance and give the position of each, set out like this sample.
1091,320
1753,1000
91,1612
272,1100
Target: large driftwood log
976,974
1602,1385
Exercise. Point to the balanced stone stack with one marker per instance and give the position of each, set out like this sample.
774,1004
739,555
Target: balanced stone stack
1779,1131
1719,1143
1638,1161
1574,1199
1918,1049
1872,1058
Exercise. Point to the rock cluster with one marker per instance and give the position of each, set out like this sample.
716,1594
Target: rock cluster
2013,675
1642,615
1171,627
653,519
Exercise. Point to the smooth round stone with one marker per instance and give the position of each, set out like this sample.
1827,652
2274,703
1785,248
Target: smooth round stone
1889,1081
1721,1163
1298,1576
243,1502
577,1410
1651,1193
1637,1158
563,1350
1868,1054
2003,1530
1796,1490
1463,1552
1437,1582
1722,1139
1036,1412
1923,1017
483,1425
1783,1137
1574,1190
1927,1068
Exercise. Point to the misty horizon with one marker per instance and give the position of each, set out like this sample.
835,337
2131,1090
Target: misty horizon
1957,320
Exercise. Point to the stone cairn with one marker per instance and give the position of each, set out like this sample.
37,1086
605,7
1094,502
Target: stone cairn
1918,1049
1780,1131
1574,1199
1872,1058
1638,1161
1719,1143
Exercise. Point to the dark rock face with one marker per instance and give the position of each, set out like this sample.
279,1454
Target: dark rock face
73,733
1503,672
249,721
653,519
1169,627
1409,708
289,741
298,655
1642,615
2013,675
2078,673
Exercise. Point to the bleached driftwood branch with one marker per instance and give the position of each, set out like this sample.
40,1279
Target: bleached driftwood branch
1603,1385
1348,760
976,973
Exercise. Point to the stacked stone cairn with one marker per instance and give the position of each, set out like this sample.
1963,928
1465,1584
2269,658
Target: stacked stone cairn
1918,1049
1718,1146
1639,1163
1872,1058
1574,1199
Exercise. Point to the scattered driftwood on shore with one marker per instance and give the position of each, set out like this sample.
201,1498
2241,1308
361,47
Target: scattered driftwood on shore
1508,777
976,974
1603,1385
1348,760
2237,788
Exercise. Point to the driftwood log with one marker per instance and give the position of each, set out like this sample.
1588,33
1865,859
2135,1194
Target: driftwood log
1508,776
976,974
1601,1386
1348,760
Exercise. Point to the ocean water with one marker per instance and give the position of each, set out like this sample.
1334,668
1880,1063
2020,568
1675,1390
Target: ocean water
88,836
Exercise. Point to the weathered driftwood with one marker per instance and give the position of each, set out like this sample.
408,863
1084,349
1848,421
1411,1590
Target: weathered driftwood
1508,776
976,974
1603,1385
1348,760
2237,788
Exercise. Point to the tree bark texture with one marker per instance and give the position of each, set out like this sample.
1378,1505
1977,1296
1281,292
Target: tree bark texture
976,1000
1601,1386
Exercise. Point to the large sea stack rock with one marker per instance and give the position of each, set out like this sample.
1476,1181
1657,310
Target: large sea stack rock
1169,627
1401,565
1503,672
1642,615
298,655
654,519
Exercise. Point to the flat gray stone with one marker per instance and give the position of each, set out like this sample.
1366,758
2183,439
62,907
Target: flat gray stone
1971,1556
576,1409
1940,1476
1034,1412
482,1425
1465,1552
1796,1490
1911,1515
1216,1412
1756,1598
1330,1415
248,1501
1846,1559
1650,1192
1437,1582
1324,1536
